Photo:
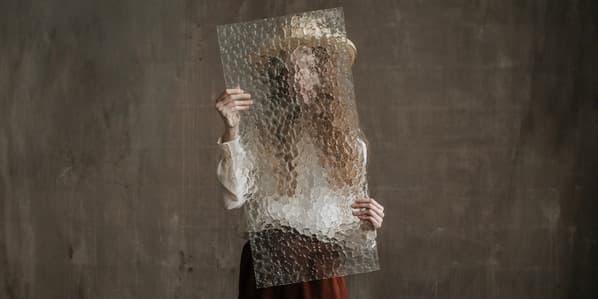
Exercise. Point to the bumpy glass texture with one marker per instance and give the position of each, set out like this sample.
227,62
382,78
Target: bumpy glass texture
306,156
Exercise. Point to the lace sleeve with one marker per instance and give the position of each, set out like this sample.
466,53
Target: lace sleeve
364,162
232,178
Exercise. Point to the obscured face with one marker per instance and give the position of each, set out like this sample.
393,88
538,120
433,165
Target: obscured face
306,76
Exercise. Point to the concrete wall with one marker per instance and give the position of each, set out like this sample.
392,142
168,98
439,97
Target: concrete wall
482,117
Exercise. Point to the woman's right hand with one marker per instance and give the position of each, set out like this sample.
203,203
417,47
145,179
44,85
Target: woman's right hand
228,105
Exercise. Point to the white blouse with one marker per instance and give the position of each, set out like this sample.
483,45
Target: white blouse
232,171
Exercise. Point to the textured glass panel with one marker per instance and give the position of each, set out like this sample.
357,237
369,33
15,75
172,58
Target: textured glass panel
306,155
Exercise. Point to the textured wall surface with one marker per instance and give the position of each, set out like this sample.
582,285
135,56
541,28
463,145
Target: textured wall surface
482,118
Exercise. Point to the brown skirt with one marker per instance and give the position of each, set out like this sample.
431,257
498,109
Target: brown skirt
330,288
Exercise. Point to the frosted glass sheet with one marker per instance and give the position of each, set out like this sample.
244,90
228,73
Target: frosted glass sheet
306,154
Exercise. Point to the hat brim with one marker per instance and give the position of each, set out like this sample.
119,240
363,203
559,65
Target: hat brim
336,43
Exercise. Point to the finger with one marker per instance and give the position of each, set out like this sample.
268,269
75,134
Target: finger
229,91
373,201
235,97
363,200
373,214
377,204
222,106
366,199
232,98
375,221
243,103
239,108
240,96
372,220
229,104
377,210
373,211
367,205
235,90
376,213
221,95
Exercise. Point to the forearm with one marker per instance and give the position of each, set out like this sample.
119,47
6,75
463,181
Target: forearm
233,168
230,133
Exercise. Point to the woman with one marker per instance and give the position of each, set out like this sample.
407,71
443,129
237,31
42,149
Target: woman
302,78
229,105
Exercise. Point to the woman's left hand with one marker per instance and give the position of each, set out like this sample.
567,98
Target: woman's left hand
373,212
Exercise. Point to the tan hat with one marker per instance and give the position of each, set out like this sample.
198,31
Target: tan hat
307,31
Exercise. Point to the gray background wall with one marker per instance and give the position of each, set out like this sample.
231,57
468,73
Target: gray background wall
482,117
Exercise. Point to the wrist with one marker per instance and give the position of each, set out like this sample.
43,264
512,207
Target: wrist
230,133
